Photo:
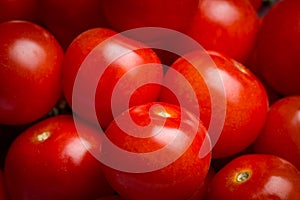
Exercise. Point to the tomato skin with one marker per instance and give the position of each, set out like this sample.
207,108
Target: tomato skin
30,71
246,100
67,19
265,177
280,135
49,161
129,65
232,33
19,10
177,180
149,13
278,51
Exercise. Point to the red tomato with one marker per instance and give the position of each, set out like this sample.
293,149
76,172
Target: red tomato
30,72
90,54
50,161
66,19
128,14
166,142
281,134
19,9
278,47
256,176
246,100
3,192
229,27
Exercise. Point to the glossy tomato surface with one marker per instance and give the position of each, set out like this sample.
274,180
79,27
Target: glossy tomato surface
98,54
50,161
30,72
227,26
245,105
166,142
256,177
278,47
67,19
281,133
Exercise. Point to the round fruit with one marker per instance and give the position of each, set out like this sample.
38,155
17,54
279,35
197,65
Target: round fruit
51,161
30,72
160,153
245,107
254,177
281,133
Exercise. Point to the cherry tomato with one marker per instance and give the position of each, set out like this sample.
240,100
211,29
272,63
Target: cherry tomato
19,9
278,51
256,176
166,142
30,72
67,19
229,27
128,14
50,161
100,43
246,100
3,192
281,134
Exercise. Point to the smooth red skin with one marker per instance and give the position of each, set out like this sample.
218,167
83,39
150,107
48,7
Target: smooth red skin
3,192
281,133
60,167
180,179
67,19
79,50
271,178
246,101
229,27
30,72
149,13
19,9
278,51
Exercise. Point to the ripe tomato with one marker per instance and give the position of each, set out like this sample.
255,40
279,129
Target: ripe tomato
281,134
278,51
166,142
229,27
67,19
50,161
246,100
30,72
3,192
128,14
19,9
256,176
92,52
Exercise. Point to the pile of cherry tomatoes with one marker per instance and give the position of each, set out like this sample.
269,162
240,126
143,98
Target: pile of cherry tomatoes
160,99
